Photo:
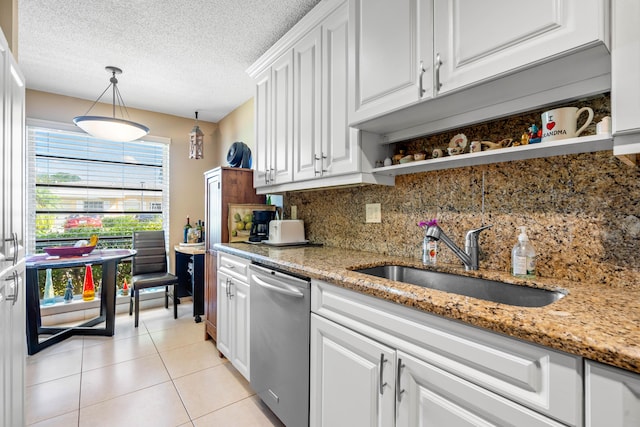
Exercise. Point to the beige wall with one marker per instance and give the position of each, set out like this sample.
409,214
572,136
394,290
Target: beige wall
236,126
186,191
9,24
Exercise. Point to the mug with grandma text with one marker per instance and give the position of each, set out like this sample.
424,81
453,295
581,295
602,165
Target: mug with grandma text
561,123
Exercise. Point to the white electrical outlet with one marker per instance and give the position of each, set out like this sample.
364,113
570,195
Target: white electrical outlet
294,212
373,212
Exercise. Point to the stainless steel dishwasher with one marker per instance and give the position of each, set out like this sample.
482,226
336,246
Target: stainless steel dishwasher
280,307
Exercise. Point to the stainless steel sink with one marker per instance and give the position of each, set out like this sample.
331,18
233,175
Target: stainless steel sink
488,290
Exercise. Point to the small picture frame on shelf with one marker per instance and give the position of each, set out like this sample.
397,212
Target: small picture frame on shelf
240,220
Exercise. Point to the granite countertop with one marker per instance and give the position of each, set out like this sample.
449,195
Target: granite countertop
596,321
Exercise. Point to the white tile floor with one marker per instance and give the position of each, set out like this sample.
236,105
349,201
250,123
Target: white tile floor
161,374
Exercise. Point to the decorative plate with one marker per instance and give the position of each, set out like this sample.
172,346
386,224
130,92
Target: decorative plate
63,251
459,140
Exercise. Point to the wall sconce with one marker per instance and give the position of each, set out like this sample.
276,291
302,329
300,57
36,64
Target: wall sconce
196,138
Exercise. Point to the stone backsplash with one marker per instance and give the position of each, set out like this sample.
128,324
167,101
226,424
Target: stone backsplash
582,212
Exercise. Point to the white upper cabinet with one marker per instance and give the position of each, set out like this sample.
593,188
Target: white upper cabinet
307,105
274,123
281,169
324,145
262,146
480,40
340,152
482,60
625,85
303,138
388,49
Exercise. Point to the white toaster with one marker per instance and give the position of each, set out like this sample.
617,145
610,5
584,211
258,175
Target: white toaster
286,231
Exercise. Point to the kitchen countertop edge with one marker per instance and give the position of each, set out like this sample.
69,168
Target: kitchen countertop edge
596,321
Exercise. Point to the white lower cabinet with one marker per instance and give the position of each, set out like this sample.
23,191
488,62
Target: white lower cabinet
233,312
612,396
375,363
352,378
429,396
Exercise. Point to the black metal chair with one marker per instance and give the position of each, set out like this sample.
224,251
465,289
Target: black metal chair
149,269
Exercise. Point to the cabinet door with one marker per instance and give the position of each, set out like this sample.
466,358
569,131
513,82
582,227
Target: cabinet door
429,396
224,319
240,332
262,146
281,155
340,151
612,396
352,378
6,246
307,104
211,296
480,40
386,43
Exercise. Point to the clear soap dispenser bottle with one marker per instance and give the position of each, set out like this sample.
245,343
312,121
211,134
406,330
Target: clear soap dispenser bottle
523,256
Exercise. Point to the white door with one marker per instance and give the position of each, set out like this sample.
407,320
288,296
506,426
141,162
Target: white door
240,331
262,146
224,319
307,105
385,39
12,231
478,40
340,151
430,396
281,156
352,378
612,396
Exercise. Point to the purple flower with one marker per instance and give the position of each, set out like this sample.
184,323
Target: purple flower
430,223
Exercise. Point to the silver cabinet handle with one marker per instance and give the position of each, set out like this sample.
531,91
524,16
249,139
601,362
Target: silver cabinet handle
271,174
228,281
322,158
291,292
229,288
316,171
322,169
382,362
437,67
14,239
16,286
230,266
399,390
421,90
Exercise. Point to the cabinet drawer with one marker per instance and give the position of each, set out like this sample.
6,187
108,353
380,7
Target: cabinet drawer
545,380
234,266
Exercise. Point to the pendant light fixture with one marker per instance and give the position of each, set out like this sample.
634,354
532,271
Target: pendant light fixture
111,128
195,141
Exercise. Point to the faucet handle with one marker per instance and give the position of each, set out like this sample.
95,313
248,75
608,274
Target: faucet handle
472,235
478,230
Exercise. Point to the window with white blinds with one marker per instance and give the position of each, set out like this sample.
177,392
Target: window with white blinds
80,185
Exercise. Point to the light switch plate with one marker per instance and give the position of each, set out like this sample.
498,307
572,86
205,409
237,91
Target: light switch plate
373,212
294,212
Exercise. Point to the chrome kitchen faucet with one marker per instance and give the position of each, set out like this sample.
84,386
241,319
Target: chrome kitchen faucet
471,248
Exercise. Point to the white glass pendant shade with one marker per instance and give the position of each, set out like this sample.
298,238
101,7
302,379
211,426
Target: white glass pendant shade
111,128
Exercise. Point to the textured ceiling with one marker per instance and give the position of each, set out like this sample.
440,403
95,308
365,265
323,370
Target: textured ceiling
177,56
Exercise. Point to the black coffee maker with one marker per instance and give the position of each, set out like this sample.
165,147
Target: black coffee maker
260,225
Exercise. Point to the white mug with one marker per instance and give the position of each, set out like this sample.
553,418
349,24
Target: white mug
561,123
604,126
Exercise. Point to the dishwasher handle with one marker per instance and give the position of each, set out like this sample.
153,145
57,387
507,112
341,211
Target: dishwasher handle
276,288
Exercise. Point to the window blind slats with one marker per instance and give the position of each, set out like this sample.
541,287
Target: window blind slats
83,185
